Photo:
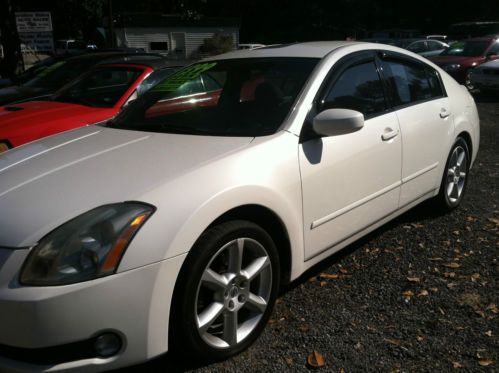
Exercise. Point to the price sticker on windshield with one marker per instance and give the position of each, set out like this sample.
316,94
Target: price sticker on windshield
183,76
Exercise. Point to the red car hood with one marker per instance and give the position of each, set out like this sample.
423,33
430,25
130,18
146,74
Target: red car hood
463,61
29,121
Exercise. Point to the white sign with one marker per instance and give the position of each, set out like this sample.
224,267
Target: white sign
33,22
37,41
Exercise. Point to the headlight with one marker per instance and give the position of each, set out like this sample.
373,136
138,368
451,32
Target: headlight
4,146
85,248
451,67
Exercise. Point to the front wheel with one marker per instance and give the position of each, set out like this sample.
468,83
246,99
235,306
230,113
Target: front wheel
225,291
455,176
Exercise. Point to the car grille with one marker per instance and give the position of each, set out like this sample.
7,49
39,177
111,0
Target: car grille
491,71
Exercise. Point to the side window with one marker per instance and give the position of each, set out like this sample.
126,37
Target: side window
434,46
357,88
411,82
418,47
494,49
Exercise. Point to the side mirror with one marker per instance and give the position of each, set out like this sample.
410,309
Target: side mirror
333,122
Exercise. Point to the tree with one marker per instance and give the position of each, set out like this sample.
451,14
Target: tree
9,38
217,44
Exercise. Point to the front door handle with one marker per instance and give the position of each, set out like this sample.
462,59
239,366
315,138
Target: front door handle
444,113
390,134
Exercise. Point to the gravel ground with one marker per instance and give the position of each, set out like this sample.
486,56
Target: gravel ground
418,295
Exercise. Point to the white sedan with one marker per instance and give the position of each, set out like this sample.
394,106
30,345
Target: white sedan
172,227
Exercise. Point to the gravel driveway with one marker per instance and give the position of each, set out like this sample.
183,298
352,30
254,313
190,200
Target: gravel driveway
420,294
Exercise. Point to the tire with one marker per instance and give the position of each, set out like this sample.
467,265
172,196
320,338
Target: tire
222,300
455,177
467,81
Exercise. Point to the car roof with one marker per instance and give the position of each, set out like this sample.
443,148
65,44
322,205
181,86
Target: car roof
317,49
153,63
101,56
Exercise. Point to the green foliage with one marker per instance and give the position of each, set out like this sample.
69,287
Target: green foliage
217,44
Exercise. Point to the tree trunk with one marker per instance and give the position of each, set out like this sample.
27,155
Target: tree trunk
9,38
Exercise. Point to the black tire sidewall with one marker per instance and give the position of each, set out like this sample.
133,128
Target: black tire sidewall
184,336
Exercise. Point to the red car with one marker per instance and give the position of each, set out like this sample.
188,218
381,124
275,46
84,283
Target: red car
95,97
462,56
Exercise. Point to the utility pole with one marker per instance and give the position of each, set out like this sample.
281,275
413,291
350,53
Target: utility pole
110,25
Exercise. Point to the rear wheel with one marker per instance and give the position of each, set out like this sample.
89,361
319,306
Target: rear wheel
226,291
455,177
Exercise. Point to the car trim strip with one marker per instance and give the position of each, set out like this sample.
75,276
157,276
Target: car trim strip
344,210
394,213
419,173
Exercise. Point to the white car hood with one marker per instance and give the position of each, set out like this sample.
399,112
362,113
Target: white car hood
48,182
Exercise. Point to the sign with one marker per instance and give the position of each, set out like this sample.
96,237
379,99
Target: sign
37,41
33,22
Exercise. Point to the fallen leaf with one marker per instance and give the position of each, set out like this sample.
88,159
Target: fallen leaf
450,274
414,279
304,328
435,259
457,365
492,308
289,361
475,276
480,313
407,294
495,221
452,265
420,338
329,276
394,342
485,362
316,360
343,270
456,233
423,293
312,279
451,285
323,283
342,370
471,218
488,333
435,290
417,225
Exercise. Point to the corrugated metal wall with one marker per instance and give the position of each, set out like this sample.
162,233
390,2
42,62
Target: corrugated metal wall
194,37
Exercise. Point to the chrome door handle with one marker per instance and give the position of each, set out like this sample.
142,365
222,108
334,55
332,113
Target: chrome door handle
389,135
444,113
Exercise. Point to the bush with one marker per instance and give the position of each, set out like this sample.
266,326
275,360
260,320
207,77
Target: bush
217,44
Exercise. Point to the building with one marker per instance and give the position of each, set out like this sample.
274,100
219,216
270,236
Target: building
171,35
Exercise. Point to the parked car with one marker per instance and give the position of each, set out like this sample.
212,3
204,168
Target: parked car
486,77
72,46
95,97
250,46
426,48
463,56
56,76
32,72
175,231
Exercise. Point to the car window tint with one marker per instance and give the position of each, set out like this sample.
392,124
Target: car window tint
411,82
102,87
495,48
434,46
154,78
418,47
358,88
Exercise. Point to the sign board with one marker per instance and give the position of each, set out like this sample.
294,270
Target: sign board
33,22
37,41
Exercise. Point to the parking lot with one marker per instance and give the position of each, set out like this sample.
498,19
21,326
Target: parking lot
420,294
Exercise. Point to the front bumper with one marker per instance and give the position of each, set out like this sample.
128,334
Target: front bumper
134,304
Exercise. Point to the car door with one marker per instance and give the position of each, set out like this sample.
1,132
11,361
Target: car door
422,108
352,180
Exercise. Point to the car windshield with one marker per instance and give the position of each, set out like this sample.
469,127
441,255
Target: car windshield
240,97
60,73
467,48
102,87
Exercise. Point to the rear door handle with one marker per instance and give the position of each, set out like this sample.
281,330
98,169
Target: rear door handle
444,113
389,135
